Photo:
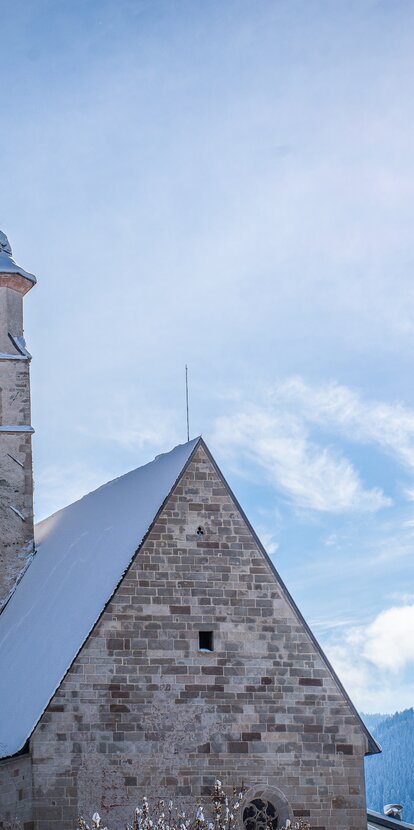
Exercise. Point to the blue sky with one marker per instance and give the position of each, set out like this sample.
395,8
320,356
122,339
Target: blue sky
230,184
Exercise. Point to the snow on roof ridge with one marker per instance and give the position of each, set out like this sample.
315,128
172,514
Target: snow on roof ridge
117,478
84,551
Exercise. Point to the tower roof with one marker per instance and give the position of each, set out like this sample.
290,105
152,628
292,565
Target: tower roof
7,263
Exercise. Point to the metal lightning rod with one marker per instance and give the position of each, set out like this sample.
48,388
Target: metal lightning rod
186,401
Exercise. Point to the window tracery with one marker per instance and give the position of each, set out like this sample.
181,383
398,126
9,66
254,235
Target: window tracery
260,814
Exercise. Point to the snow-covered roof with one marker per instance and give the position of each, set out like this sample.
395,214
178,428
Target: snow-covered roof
82,553
9,266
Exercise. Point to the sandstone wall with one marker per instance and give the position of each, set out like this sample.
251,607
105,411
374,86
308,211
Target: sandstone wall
143,711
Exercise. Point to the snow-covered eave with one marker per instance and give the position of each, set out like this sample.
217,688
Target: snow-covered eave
376,820
25,750
9,267
95,622
16,428
7,356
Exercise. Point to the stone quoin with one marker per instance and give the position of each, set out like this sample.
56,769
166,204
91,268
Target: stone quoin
16,482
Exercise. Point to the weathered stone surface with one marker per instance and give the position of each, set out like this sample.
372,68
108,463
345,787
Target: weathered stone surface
16,808
143,711
16,481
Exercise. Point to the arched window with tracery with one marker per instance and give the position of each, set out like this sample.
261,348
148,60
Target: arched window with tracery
265,808
260,814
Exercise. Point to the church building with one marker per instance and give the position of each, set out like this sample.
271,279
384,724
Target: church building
148,645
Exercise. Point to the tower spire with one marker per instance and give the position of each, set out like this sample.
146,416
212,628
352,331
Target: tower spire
16,479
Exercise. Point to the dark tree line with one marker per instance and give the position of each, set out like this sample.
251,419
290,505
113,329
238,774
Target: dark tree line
390,775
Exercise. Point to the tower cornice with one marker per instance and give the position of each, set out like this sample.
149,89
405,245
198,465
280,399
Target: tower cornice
18,281
11,274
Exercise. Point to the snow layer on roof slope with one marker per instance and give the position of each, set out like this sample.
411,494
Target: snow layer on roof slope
83,551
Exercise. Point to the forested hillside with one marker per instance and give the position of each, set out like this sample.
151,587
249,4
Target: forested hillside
389,776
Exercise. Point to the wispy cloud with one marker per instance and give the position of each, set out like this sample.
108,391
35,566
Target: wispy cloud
61,485
403,597
133,425
136,431
295,431
268,540
389,426
275,436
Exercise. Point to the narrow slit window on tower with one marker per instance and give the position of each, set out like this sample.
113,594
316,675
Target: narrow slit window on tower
205,641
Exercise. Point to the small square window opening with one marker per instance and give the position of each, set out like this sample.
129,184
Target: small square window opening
205,641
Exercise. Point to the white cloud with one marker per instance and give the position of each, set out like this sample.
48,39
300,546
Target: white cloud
375,662
315,477
389,640
354,673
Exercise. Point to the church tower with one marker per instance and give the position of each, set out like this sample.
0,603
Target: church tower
16,479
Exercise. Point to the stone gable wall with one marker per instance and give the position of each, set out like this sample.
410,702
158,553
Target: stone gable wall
143,711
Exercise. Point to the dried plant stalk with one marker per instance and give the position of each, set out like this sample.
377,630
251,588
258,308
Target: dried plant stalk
222,814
